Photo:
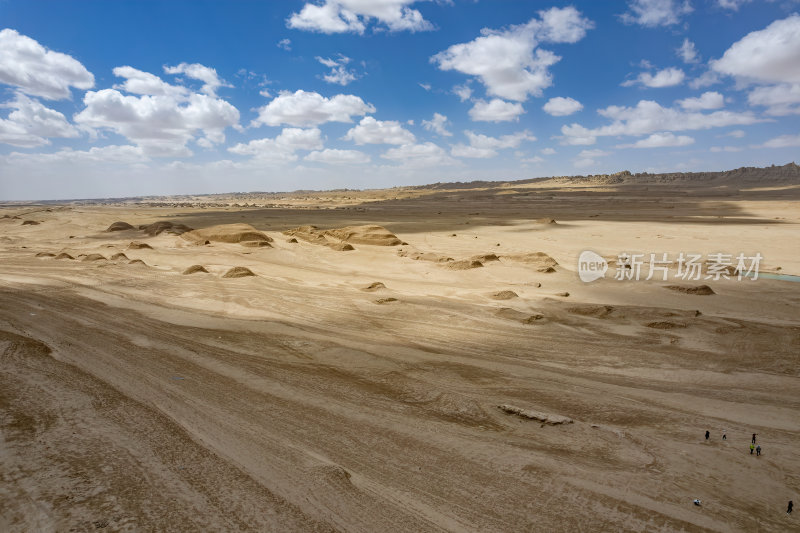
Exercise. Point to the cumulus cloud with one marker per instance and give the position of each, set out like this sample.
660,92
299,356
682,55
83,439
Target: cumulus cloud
707,100
649,117
483,146
508,62
706,79
495,110
437,124
733,5
372,131
547,151
285,44
162,120
586,158
660,140
653,13
283,147
332,156
688,52
728,149
140,82
780,100
113,154
562,106
37,71
196,71
784,141
464,92
353,16
30,123
339,73
768,55
419,155
303,108
667,77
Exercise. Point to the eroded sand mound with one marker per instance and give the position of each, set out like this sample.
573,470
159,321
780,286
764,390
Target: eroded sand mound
374,286
136,245
119,256
369,234
238,272
485,258
544,418
539,260
230,233
30,223
119,226
93,257
424,256
195,268
465,264
505,295
385,300
63,255
45,254
137,262
519,316
157,228
340,246
699,290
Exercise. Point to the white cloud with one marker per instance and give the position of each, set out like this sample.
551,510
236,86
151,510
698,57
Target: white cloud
547,151
426,86
303,108
464,92
462,150
371,131
688,52
652,13
561,106
419,155
660,140
784,141
733,5
649,117
37,71
495,110
483,146
513,140
140,82
126,154
508,62
32,124
161,124
283,147
706,79
737,134
285,44
196,71
780,100
768,55
339,73
437,124
532,160
331,156
707,100
667,77
342,16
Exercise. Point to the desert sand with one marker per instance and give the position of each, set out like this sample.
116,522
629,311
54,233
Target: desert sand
411,359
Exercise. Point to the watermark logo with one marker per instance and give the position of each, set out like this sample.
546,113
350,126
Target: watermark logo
591,266
661,266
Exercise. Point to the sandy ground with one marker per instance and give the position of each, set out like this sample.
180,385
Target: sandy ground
136,398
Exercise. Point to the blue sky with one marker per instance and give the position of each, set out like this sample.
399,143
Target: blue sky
109,99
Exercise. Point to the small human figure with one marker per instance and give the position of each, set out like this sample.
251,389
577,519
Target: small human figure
758,450
754,437
698,502
724,435
752,447
707,434
789,508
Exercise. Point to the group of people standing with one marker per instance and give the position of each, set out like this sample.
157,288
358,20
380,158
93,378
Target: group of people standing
753,448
